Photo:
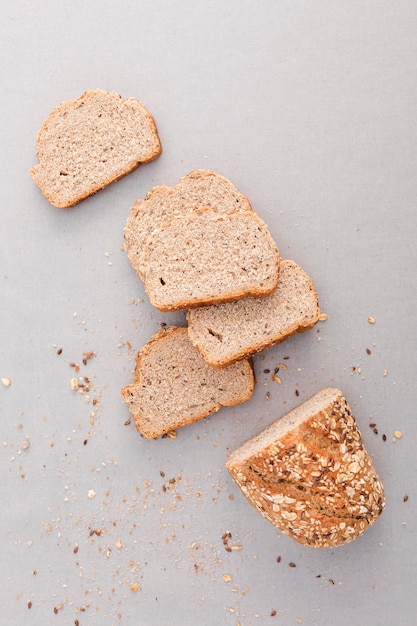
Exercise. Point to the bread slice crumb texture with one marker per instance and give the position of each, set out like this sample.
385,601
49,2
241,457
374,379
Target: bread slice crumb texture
88,143
199,188
310,475
205,258
173,386
227,332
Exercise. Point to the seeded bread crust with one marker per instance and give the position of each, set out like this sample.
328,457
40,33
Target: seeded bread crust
206,258
88,143
173,386
225,333
310,475
199,188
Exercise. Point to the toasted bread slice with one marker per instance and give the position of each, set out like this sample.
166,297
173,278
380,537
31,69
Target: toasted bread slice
173,385
88,143
309,474
199,188
227,332
207,258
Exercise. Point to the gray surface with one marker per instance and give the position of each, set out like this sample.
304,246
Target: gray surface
309,108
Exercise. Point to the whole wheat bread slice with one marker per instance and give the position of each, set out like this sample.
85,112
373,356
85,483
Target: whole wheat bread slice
310,475
199,188
173,385
207,258
227,332
88,143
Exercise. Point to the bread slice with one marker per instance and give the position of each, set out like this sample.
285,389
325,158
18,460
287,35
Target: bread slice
173,385
309,474
88,143
199,188
227,332
207,258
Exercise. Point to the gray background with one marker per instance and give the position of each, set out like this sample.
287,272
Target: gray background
310,109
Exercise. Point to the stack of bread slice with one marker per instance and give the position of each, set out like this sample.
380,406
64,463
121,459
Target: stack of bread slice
201,247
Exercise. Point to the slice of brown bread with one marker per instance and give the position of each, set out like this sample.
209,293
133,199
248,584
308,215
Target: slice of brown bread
199,188
207,258
310,475
173,385
88,143
227,332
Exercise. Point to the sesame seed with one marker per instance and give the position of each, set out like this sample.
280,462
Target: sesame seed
292,564
405,498
6,382
371,320
368,351
398,434
323,317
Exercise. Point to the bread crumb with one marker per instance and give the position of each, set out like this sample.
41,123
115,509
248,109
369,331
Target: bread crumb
227,578
135,587
91,494
74,384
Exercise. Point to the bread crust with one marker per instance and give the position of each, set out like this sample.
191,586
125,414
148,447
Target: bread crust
198,336
315,482
156,423
54,152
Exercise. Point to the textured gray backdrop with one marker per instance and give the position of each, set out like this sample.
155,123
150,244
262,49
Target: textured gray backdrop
310,109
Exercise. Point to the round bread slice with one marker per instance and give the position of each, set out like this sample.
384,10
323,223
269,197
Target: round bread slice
173,385
310,475
199,188
224,333
88,143
207,258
